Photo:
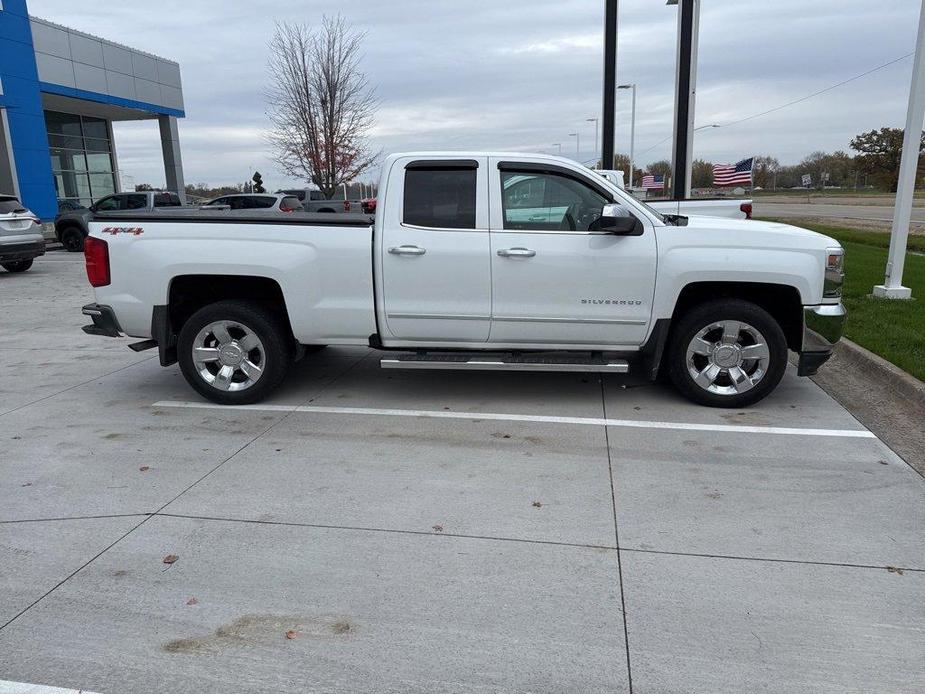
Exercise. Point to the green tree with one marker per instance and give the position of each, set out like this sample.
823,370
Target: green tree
258,183
701,174
879,154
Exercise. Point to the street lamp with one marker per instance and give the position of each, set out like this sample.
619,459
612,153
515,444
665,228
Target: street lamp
595,137
577,144
632,129
559,145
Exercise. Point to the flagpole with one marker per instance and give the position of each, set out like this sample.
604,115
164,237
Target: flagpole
892,287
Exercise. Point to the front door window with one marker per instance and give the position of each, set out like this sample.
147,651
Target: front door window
548,202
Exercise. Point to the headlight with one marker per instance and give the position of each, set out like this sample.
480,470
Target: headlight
834,273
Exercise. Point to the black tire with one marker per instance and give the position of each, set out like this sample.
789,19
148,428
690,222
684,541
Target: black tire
277,345
700,318
17,265
72,238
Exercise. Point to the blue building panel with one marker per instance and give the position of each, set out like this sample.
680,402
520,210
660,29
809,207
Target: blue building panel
109,99
23,103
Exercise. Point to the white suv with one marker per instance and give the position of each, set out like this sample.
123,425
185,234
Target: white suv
258,201
21,239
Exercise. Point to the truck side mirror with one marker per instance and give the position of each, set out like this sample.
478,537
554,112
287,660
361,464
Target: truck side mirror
615,219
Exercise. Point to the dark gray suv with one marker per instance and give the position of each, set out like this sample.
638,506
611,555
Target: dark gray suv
71,227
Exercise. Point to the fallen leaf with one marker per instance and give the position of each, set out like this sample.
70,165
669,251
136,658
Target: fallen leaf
883,462
291,634
192,601
438,528
894,570
144,468
170,558
537,504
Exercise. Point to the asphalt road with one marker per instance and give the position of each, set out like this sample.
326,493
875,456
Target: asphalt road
379,531
871,213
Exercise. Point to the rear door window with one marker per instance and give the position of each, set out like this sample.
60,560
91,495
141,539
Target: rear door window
262,202
166,200
135,201
440,198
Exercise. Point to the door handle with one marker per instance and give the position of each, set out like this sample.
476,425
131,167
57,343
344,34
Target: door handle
516,253
407,250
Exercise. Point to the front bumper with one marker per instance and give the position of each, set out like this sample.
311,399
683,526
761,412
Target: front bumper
822,329
104,321
26,250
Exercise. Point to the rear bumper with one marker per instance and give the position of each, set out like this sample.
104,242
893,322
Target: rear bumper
822,329
25,250
104,321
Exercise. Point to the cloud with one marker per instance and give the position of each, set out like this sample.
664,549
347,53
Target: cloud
522,74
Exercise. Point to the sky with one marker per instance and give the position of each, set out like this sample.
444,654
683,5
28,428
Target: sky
521,75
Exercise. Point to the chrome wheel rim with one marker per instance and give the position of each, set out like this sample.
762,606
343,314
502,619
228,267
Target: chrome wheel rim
228,356
728,357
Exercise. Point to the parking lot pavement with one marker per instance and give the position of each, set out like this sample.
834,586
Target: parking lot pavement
370,530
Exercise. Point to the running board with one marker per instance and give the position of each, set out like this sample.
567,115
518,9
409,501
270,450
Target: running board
504,363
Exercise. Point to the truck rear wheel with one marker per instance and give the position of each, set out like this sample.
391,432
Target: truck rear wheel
727,353
234,352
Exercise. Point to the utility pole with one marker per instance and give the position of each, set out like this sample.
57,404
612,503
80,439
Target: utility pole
685,93
892,287
610,84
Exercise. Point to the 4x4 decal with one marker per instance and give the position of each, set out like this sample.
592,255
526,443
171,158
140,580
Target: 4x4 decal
134,231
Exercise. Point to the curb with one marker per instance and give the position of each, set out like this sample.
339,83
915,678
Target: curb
889,374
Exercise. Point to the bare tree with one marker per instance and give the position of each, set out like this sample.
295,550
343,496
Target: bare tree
320,104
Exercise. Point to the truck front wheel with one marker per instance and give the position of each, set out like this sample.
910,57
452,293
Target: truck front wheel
234,352
727,353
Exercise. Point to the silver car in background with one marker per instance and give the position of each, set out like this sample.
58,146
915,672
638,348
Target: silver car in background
257,201
21,239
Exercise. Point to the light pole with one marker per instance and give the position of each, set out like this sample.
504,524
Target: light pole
892,287
632,130
577,144
596,123
685,95
559,145
608,113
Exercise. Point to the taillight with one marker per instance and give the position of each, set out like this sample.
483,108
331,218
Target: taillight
96,253
746,207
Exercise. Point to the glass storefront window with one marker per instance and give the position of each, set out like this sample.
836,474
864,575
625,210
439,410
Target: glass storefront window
81,158
99,162
101,185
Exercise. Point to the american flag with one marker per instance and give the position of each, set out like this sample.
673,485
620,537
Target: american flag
733,174
654,182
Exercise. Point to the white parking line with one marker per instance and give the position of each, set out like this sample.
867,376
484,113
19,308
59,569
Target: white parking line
543,419
25,688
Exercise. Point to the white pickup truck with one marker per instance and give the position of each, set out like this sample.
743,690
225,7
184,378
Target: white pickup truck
733,208
473,261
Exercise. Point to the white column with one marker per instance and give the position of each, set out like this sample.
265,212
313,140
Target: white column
173,162
892,287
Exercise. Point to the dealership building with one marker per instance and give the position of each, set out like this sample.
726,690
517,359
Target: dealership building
60,92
